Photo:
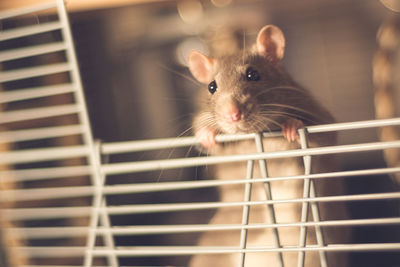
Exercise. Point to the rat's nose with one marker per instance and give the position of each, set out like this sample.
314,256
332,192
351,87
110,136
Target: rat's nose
233,114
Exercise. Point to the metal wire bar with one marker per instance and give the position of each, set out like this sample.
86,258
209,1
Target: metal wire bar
316,217
93,266
45,252
134,146
29,30
268,194
36,92
96,217
43,154
353,125
40,133
63,212
57,232
306,194
164,143
168,229
108,236
187,250
26,10
104,218
246,211
38,113
78,191
31,51
120,168
48,232
44,173
62,172
305,207
19,74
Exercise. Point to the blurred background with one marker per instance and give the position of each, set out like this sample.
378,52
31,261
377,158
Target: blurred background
132,57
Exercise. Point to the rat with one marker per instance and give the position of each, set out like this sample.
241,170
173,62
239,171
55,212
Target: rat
248,92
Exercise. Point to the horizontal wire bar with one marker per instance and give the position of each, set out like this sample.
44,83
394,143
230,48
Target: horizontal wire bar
353,125
48,232
96,266
91,265
151,165
38,113
36,92
31,51
63,212
26,10
77,266
141,251
77,191
143,145
45,213
43,154
47,193
51,252
40,133
30,72
100,266
174,229
58,232
29,30
153,208
193,250
168,186
44,173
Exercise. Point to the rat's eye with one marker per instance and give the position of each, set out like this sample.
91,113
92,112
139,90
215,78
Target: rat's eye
252,74
212,87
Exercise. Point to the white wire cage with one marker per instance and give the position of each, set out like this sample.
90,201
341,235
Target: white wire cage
58,201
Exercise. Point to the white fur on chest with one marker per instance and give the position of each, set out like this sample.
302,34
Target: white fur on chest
285,213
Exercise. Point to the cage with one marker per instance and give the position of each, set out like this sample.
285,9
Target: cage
98,168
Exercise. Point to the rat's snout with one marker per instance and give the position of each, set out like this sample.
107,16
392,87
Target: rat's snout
231,112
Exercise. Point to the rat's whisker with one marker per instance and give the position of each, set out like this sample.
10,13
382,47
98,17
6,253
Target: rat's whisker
267,90
187,77
287,114
289,107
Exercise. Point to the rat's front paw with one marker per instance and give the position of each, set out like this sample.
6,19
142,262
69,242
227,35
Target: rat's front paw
206,137
290,127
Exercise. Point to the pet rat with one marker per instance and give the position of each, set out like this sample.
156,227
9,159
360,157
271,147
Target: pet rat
251,92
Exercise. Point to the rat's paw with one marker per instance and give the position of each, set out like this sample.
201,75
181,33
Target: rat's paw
289,129
206,137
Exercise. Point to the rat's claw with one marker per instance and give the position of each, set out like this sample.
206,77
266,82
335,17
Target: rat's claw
290,127
206,137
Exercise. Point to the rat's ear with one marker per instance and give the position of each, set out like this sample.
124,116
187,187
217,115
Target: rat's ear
201,66
271,43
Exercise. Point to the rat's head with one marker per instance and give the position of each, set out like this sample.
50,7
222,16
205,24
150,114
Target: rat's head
243,88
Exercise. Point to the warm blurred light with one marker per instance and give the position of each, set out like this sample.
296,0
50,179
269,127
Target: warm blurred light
221,3
393,5
190,11
188,45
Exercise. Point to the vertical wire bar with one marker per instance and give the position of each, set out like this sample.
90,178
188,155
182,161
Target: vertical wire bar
75,76
108,240
306,194
246,211
87,133
97,204
309,191
268,193
318,231
105,217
